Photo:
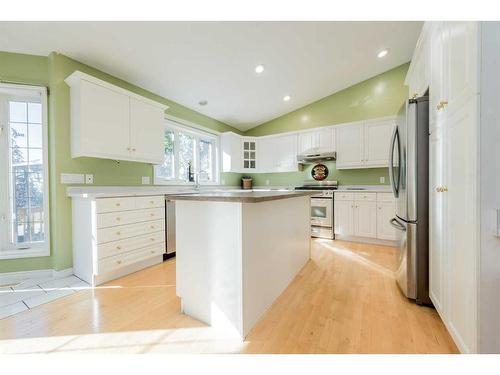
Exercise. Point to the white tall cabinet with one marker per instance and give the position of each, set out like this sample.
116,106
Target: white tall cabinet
462,60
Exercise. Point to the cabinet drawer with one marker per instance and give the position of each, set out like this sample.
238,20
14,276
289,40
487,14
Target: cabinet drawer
150,202
370,197
385,197
114,204
130,230
340,196
128,217
115,262
129,244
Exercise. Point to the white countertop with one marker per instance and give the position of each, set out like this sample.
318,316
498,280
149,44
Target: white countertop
92,192
364,189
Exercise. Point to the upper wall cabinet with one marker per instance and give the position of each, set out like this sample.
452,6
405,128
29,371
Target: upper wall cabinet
278,153
323,138
112,123
364,145
231,152
419,73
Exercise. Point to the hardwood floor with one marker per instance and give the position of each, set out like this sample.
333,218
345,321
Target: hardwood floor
345,300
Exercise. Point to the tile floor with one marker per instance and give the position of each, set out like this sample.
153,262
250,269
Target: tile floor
34,292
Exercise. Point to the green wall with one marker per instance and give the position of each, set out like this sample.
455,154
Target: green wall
51,71
379,96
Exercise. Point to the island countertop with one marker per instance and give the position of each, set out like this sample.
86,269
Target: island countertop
242,197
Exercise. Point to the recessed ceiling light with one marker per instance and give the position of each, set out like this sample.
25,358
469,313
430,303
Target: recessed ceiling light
286,98
202,102
383,53
259,68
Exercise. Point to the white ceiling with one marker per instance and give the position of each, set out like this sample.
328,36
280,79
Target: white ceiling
215,61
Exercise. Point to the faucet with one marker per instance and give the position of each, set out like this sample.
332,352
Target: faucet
197,180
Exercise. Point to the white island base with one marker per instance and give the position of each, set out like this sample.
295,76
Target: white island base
235,258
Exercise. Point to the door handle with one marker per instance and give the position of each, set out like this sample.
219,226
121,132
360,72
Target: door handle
395,223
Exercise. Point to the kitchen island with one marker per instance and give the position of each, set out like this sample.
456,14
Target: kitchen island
237,252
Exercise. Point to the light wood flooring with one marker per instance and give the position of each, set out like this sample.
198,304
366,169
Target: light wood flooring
345,300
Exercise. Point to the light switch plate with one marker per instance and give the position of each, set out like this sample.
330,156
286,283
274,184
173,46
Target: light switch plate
146,180
89,179
382,180
72,178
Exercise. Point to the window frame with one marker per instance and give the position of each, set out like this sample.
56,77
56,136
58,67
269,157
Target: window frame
198,135
35,249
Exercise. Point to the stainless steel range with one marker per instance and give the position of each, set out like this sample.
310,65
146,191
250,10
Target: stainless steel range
322,218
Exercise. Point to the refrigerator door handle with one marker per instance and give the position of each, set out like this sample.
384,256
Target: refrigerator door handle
391,162
396,224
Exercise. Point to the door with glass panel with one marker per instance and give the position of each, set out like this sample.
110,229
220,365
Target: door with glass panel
23,173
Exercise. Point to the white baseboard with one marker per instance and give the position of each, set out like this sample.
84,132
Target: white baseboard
8,278
367,240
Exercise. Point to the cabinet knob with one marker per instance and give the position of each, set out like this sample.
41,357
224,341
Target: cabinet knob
133,148
118,233
151,214
128,148
152,239
444,189
118,204
152,227
118,248
118,218
152,251
151,202
438,189
119,262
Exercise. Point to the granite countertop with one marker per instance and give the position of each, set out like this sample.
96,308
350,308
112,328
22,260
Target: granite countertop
242,197
364,189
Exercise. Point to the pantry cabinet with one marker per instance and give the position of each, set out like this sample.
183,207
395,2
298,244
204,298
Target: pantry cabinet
454,62
364,145
112,123
364,215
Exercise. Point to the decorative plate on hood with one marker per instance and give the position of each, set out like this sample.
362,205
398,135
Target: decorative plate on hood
319,172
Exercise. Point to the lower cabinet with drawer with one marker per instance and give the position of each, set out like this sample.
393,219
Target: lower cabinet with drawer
365,216
115,236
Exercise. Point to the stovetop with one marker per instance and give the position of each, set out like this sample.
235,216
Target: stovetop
320,185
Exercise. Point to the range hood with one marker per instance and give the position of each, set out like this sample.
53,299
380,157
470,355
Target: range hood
314,155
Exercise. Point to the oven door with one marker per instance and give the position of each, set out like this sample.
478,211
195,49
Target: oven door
321,212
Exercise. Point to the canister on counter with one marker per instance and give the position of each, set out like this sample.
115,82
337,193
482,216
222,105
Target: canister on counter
246,183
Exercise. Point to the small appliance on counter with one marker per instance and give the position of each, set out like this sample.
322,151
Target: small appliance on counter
246,183
322,220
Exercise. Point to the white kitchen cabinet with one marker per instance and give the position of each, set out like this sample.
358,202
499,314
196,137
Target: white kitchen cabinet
322,138
343,217
249,154
364,145
364,215
115,236
146,128
376,142
385,212
231,155
285,149
455,119
418,76
350,146
268,155
112,123
365,219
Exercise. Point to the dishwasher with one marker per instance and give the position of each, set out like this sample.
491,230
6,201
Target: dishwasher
169,228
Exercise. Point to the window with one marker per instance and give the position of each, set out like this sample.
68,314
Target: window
23,172
189,155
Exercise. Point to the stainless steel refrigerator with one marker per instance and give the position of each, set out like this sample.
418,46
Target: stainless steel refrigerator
409,177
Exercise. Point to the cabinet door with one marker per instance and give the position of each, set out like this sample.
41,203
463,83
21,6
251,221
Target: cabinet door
231,152
343,218
306,141
376,142
436,220
462,67
285,149
104,123
249,153
461,241
438,58
325,139
365,219
146,132
385,212
267,155
350,146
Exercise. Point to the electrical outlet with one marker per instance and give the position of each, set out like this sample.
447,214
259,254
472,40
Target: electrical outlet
89,178
382,180
146,180
267,182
